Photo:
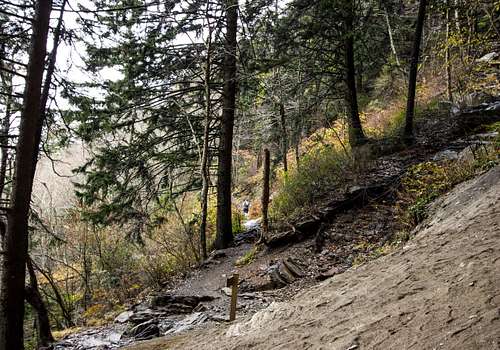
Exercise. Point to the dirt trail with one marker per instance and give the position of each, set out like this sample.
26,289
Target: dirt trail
442,291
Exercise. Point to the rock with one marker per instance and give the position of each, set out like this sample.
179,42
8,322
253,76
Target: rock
294,267
165,325
226,291
480,100
330,273
470,153
146,330
217,254
282,273
248,296
276,280
445,155
208,262
144,316
115,337
94,343
200,308
178,304
485,136
124,316
488,57
285,274
354,189
249,236
251,225
213,258
188,322
495,106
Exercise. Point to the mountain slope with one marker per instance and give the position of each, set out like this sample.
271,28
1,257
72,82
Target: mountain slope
441,291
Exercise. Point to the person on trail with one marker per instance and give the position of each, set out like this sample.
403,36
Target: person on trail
246,206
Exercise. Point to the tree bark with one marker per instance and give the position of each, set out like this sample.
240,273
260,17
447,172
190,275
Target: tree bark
34,298
4,140
205,168
356,135
284,137
32,293
265,191
57,296
391,38
224,222
13,272
412,81
48,81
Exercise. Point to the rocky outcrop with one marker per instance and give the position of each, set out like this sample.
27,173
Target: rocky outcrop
177,304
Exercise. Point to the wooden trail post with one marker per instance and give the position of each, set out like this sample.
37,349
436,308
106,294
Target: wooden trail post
233,282
265,191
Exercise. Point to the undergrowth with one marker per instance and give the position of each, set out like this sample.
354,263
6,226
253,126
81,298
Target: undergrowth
425,182
248,257
329,160
320,170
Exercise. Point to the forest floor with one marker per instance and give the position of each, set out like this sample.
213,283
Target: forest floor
441,291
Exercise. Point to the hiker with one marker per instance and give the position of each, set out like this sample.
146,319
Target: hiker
246,206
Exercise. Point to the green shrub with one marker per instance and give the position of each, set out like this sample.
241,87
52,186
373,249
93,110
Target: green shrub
319,171
425,182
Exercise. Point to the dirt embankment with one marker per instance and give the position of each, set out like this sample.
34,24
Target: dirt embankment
442,291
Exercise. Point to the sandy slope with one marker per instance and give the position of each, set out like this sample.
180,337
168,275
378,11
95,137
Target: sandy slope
442,291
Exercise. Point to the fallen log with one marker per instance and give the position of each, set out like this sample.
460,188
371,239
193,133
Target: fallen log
355,197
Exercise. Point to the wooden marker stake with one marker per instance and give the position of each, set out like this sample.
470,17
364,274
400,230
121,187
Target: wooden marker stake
233,282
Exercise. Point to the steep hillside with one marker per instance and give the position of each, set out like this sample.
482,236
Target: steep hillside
440,292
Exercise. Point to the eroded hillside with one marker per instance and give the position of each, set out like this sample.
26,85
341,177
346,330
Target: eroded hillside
441,291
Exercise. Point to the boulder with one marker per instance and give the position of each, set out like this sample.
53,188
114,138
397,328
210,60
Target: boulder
146,330
285,274
124,316
445,155
276,280
294,267
488,57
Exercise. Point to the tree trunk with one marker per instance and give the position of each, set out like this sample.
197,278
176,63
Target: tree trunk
34,298
4,139
205,168
412,81
265,191
359,78
32,293
13,272
356,135
297,153
224,223
48,81
391,38
284,137
66,314
449,87
457,17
